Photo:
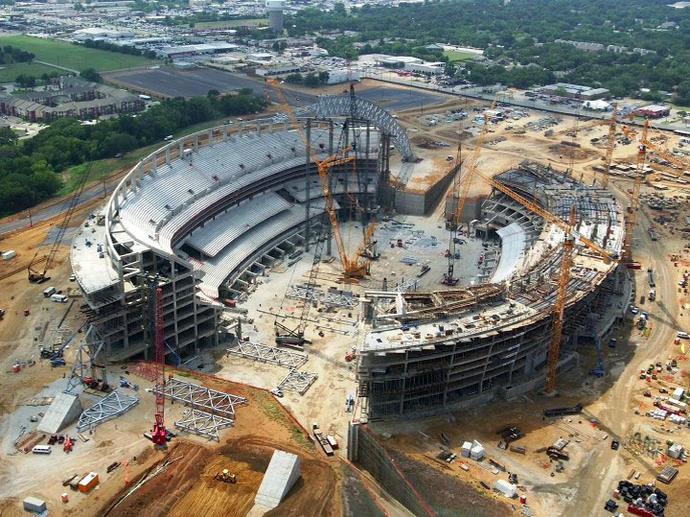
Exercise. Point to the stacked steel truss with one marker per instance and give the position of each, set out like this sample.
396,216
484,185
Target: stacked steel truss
269,354
295,380
304,292
201,397
114,404
330,298
298,381
209,411
203,423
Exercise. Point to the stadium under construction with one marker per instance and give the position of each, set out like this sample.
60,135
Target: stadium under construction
208,216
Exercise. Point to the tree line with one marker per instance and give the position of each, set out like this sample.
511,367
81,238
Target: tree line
10,54
122,49
29,169
519,39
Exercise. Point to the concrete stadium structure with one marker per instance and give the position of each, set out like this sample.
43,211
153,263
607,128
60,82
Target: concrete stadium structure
430,351
203,216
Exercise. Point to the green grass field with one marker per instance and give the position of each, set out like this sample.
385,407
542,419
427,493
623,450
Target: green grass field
8,73
454,55
75,57
219,24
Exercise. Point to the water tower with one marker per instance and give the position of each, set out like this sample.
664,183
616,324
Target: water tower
275,14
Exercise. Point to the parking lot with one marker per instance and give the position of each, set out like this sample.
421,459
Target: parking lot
175,83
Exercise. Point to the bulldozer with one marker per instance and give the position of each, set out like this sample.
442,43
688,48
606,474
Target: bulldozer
225,477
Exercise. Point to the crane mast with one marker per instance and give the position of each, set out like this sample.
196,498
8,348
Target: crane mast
352,267
610,144
559,306
461,197
158,435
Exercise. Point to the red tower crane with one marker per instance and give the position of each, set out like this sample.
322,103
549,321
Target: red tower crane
158,435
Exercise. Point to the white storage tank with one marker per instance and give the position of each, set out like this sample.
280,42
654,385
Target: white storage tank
477,451
678,393
9,254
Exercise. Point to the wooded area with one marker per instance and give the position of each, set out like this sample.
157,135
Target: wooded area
519,39
28,168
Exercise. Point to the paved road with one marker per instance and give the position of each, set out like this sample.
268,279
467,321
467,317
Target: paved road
89,193
599,475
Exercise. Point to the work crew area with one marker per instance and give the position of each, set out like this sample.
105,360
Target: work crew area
348,308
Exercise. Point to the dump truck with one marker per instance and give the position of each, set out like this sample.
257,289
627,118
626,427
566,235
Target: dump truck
322,440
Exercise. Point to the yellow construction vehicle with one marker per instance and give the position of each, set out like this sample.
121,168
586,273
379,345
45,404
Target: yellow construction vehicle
226,477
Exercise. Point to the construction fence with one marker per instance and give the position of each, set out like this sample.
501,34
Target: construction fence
366,452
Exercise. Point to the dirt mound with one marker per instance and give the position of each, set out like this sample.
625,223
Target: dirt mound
187,486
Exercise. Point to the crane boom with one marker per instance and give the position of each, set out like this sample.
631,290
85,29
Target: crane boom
661,152
610,144
545,214
37,278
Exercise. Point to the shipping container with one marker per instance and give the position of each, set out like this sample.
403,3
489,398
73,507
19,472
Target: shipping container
88,482
49,291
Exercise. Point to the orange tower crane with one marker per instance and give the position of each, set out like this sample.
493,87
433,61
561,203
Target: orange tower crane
610,144
559,305
631,215
353,266
661,152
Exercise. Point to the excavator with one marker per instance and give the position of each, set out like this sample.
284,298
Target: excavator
226,477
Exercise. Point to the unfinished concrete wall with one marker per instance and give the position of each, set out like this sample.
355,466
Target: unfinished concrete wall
415,202
470,211
366,452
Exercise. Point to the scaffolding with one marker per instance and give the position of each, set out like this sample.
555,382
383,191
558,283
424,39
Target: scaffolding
331,298
203,423
113,405
201,398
